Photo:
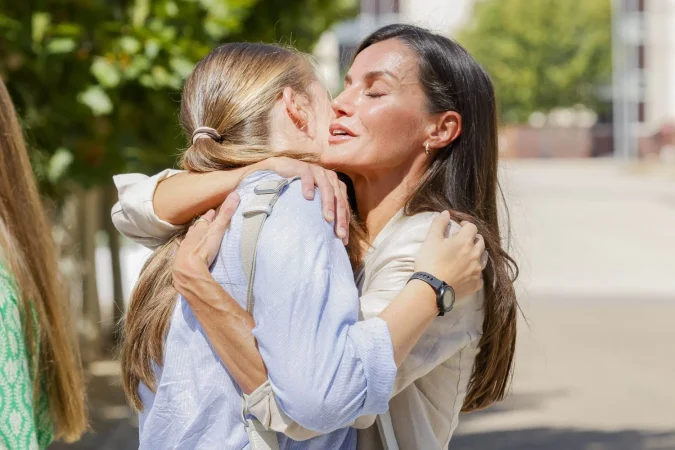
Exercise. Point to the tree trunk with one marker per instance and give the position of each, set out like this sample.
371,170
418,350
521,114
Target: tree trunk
89,224
114,244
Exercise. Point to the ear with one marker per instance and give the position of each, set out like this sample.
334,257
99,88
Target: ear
445,129
293,107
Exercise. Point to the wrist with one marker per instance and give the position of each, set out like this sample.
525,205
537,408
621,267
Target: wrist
190,272
426,296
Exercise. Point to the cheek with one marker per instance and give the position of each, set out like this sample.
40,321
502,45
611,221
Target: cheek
393,132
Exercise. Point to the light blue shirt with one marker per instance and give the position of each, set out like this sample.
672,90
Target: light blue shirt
325,368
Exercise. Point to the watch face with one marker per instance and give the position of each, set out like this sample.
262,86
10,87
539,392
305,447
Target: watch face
448,298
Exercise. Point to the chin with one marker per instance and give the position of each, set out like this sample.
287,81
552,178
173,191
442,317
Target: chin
336,160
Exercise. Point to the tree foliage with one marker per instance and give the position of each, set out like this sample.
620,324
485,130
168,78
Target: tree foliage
543,54
96,82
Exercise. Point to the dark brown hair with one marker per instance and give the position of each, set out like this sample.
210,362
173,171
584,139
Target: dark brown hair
28,252
463,178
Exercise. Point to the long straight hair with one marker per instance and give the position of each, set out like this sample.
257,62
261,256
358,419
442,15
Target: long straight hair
28,252
232,90
463,178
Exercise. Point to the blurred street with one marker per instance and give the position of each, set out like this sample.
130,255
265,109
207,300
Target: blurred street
594,370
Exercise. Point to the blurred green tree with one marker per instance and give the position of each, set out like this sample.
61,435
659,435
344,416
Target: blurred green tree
97,82
543,54
97,85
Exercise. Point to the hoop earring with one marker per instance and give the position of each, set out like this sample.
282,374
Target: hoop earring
426,149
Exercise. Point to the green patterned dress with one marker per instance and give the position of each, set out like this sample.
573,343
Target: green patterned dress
23,424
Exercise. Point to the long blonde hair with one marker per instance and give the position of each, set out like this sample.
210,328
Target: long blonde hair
232,90
28,252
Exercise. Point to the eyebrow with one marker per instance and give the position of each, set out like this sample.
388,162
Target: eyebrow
373,75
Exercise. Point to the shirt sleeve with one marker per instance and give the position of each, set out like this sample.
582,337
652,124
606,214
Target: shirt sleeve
325,369
134,214
448,334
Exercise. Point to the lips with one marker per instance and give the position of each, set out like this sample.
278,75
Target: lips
340,133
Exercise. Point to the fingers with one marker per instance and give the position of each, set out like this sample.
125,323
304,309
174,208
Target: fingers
225,213
479,243
438,226
308,181
468,231
327,193
484,257
346,210
341,206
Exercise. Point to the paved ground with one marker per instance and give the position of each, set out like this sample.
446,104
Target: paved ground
595,366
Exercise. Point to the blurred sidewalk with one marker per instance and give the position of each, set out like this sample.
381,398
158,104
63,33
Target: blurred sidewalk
595,368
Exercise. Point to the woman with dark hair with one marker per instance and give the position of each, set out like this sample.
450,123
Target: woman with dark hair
242,104
41,382
415,130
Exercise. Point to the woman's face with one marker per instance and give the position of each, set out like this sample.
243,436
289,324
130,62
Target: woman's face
381,115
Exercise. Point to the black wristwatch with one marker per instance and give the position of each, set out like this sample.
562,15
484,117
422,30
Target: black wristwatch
445,294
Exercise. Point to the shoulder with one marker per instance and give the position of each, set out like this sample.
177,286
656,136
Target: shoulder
295,225
414,229
7,289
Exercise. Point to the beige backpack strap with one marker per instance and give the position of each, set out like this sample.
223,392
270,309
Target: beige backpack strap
386,429
266,195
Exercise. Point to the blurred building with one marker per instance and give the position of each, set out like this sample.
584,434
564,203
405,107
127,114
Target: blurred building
644,76
336,47
656,60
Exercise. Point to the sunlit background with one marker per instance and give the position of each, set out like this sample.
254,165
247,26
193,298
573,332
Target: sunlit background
586,90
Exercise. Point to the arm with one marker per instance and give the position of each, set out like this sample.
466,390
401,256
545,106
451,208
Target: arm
134,216
215,309
152,209
338,369
446,335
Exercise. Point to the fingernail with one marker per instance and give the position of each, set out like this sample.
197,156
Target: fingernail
309,193
342,232
330,216
345,241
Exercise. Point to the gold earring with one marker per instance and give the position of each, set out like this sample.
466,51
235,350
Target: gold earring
426,149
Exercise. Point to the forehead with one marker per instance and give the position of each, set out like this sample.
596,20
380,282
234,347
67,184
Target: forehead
391,55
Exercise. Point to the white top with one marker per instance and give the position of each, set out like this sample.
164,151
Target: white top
432,382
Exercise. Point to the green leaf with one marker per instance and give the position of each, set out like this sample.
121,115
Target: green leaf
181,66
97,100
171,9
139,12
40,23
67,30
105,72
129,44
152,48
60,45
139,64
58,164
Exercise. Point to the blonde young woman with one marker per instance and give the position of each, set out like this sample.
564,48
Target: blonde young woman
41,385
244,103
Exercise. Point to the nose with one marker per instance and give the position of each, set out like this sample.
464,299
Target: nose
342,104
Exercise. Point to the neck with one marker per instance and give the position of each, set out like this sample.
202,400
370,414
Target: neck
380,196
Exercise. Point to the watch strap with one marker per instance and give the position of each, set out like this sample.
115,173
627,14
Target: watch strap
429,279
